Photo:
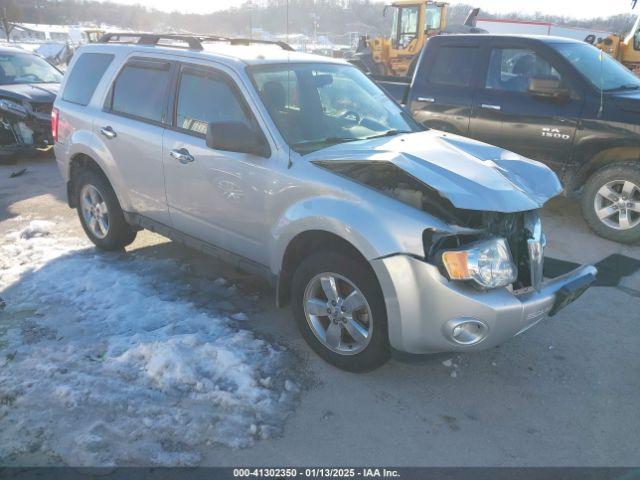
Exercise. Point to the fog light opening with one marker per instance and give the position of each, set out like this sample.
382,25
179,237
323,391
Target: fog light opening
467,331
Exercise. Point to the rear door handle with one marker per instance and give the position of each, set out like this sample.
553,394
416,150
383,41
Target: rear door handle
108,132
488,106
182,155
426,99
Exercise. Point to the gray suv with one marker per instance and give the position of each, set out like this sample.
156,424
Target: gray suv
381,235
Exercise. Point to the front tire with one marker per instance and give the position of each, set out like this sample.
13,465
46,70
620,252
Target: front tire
340,311
611,202
100,214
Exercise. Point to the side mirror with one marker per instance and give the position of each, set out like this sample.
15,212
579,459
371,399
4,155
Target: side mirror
236,137
548,87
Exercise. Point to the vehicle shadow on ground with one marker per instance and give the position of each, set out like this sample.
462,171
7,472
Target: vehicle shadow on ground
18,184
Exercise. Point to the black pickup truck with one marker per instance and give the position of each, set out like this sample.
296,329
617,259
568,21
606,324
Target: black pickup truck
555,100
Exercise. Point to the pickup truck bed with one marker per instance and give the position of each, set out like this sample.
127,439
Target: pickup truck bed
397,87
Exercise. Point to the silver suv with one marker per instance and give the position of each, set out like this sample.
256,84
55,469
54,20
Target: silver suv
381,235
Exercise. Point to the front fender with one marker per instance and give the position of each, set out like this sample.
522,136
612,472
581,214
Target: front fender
389,228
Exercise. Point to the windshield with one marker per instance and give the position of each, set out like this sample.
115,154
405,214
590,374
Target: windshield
599,68
26,68
316,105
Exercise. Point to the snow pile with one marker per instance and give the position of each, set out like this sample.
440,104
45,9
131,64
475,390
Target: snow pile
114,359
36,228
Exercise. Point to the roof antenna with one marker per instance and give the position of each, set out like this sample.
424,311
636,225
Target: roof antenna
290,164
601,58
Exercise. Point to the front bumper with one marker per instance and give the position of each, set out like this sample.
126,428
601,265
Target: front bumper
421,305
25,136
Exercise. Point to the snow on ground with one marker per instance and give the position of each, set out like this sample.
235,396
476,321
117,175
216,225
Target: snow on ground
111,358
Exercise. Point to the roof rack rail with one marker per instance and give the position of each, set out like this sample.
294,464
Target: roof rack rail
194,42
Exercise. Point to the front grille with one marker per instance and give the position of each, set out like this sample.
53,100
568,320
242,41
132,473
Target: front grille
535,247
523,232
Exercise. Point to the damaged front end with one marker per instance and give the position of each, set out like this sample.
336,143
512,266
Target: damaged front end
522,234
480,280
476,230
24,126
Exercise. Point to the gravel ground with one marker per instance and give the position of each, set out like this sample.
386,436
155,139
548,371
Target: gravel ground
565,393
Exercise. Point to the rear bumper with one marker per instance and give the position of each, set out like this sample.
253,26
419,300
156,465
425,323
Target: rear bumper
423,306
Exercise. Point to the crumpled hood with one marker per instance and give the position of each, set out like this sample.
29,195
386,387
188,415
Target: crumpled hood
37,92
471,175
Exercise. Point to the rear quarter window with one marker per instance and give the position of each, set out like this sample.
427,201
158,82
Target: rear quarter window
85,76
453,66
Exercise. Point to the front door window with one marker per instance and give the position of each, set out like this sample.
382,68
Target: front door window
512,69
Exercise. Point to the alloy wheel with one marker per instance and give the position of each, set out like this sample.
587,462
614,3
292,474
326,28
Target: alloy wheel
617,204
94,211
338,313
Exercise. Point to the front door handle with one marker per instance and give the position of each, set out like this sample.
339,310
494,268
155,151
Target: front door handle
182,155
426,99
489,106
108,132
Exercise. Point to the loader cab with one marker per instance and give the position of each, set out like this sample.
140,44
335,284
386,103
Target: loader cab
414,21
633,38
627,50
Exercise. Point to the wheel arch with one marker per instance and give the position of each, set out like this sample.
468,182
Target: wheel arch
79,162
301,246
600,157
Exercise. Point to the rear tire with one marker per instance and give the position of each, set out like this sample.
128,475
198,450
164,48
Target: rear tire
359,307
611,202
100,213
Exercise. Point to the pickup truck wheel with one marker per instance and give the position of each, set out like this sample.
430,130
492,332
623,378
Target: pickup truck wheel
100,213
340,311
611,202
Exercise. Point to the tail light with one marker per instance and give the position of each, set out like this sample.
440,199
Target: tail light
55,116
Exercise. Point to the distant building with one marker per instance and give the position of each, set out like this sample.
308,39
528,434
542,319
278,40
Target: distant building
71,34
33,32
523,27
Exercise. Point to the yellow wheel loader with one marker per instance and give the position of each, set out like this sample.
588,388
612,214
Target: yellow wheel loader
413,22
626,50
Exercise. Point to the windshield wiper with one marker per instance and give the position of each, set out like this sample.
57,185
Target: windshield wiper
326,141
388,133
631,86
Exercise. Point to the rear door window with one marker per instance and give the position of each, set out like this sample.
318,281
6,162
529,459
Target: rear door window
453,65
140,91
205,97
85,76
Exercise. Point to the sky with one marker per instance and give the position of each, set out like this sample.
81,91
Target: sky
573,8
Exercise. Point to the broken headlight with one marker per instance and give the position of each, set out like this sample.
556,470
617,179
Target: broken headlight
488,263
13,107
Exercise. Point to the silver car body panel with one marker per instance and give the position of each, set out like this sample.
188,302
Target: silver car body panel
470,174
416,292
255,207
